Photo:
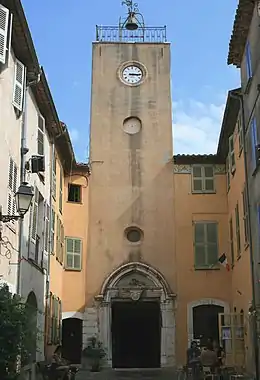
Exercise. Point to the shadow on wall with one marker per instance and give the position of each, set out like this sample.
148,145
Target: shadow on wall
32,286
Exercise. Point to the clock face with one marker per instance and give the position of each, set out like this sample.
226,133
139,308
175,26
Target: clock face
132,74
132,125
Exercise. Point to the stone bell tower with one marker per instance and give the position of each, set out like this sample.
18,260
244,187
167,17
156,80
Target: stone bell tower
131,256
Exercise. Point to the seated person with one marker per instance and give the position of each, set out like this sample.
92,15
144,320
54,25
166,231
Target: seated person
208,357
59,364
193,353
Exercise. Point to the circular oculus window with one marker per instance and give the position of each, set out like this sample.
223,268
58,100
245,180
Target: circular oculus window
134,234
132,125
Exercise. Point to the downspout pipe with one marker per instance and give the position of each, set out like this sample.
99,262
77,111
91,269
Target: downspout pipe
47,285
23,151
239,96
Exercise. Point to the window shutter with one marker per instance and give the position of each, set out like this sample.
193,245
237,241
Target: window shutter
12,188
228,173
61,190
4,22
40,140
35,214
62,242
212,243
253,137
197,178
58,238
77,254
19,80
199,244
53,216
46,242
232,153
32,244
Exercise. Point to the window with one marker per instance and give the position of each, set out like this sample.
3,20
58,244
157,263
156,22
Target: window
73,253
12,188
54,166
54,320
245,216
231,241
240,133
37,228
61,190
203,179
53,219
46,228
254,145
238,231
40,139
205,244
4,31
231,153
19,81
228,173
249,71
74,193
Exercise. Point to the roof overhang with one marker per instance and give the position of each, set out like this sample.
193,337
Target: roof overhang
240,31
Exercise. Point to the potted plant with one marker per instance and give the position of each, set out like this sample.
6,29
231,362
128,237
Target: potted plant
93,354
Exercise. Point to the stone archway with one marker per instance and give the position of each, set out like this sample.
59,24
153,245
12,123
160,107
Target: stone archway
138,281
200,302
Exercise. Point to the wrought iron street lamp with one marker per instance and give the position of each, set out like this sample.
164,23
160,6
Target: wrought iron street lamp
23,199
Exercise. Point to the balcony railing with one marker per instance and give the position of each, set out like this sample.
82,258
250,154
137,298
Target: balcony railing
117,34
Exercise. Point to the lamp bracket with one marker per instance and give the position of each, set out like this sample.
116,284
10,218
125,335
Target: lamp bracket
9,218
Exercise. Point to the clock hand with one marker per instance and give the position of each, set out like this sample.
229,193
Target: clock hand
136,75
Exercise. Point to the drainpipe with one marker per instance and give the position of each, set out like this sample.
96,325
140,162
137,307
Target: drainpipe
251,252
47,285
23,151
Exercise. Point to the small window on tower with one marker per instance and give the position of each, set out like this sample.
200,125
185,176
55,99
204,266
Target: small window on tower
74,193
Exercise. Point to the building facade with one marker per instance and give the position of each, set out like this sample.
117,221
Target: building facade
128,247
157,225
244,54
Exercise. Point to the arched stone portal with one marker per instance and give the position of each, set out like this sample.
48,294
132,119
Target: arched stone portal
138,282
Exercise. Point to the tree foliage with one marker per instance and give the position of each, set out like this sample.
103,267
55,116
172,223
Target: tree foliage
17,337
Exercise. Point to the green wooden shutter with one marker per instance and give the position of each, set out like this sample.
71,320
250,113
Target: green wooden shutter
212,243
199,245
197,179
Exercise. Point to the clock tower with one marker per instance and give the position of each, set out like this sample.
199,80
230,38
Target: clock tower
131,280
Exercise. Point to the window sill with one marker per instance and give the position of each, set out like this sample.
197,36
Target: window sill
36,265
203,192
72,270
233,171
206,268
240,152
75,203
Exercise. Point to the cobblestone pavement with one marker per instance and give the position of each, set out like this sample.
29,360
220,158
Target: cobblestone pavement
110,374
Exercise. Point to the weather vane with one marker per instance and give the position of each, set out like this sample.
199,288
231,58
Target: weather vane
132,7
134,19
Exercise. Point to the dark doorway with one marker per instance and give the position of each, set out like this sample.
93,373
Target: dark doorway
136,335
205,322
72,339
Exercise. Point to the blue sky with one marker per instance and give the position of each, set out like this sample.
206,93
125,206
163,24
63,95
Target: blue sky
199,31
